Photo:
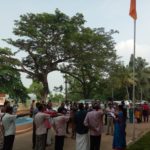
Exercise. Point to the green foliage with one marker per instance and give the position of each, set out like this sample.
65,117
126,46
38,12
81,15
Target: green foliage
37,89
121,79
10,81
142,75
58,42
97,55
56,97
47,40
141,144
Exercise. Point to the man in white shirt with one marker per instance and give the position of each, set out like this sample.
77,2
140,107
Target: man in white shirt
41,128
59,124
8,122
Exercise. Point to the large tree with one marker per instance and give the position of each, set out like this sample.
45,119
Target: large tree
10,80
47,40
92,65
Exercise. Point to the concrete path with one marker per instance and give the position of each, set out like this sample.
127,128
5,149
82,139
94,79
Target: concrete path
24,141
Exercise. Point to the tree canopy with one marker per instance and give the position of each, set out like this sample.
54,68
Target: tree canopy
47,40
10,79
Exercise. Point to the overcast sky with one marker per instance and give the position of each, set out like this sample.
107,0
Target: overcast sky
110,14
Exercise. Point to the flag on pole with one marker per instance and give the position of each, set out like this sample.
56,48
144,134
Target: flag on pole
132,12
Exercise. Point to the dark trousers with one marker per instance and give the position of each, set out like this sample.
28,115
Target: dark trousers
40,142
34,135
59,142
145,115
67,127
46,137
95,142
105,119
8,142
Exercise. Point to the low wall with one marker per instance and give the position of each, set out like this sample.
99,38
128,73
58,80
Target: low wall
24,128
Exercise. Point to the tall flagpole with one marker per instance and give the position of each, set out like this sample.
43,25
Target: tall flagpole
133,14
133,98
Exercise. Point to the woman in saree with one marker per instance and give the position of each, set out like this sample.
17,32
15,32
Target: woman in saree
119,139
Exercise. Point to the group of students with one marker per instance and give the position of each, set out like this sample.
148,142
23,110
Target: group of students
87,125
81,120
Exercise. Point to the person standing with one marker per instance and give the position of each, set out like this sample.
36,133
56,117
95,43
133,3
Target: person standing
62,109
35,111
32,107
131,113
53,113
110,112
59,125
105,107
94,121
8,122
119,138
82,139
145,112
1,131
41,128
73,111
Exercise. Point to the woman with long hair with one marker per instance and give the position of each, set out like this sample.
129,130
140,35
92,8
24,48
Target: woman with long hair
119,139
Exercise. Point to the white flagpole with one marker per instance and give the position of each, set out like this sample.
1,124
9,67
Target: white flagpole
133,98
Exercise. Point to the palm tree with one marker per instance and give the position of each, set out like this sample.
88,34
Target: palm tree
142,75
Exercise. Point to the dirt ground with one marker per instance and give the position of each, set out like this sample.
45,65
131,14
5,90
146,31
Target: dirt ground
24,141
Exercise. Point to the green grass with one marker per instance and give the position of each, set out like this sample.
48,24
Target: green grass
141,144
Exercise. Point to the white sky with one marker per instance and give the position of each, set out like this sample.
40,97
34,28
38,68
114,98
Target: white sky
110,14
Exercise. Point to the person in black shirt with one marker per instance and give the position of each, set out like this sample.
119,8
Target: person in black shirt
82,142
62,109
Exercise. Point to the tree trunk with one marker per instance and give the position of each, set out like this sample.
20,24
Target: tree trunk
86,91
127,92
45,89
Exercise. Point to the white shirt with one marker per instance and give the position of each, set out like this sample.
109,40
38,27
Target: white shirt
9,124
94,120
40,123
110,112
59,124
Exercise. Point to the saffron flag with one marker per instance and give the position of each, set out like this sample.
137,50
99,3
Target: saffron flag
132,12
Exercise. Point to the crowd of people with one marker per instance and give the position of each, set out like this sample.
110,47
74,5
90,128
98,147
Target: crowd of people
142,112
84,121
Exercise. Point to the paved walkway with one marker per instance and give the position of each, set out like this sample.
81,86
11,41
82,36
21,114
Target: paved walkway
24,141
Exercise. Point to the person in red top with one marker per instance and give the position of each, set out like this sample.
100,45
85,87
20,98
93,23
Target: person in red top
145,112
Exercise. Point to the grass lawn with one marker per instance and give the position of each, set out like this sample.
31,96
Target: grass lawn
141,144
